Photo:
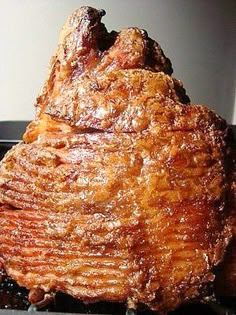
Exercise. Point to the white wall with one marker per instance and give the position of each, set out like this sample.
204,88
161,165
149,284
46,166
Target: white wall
197,35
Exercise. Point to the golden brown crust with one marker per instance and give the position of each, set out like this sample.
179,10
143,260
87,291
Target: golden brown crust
119,190
86,48
225,282
87,206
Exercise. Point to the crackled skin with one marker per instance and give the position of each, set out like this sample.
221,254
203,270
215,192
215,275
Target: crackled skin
120,191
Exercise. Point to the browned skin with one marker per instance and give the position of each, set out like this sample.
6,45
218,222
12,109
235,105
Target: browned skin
119,190
225,282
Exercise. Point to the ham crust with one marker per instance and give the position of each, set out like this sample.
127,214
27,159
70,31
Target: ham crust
120,190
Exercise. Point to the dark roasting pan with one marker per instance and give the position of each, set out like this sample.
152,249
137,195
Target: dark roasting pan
10,134
13,312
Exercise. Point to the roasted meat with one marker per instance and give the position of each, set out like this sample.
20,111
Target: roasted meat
225,282
120,190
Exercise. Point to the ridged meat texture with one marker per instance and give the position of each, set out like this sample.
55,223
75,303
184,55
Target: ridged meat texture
120,191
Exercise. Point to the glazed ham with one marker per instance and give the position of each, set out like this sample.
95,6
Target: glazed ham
120,190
